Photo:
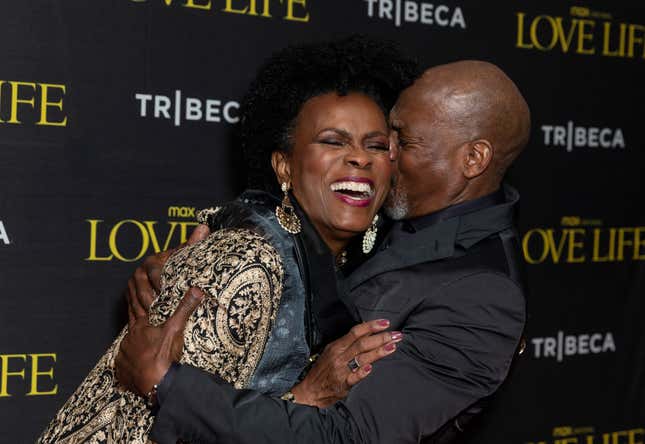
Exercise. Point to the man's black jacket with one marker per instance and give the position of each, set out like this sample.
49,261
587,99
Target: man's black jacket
450,283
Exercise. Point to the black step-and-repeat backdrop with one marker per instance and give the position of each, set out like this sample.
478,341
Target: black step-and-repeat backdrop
115,125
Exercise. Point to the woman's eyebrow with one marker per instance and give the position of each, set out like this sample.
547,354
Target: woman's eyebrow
339,131
374,134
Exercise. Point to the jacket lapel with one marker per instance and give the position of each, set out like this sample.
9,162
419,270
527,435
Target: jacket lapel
401,249
408,249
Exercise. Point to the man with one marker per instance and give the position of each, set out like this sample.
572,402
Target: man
446,275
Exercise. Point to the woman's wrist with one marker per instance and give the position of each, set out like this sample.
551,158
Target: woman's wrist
301,395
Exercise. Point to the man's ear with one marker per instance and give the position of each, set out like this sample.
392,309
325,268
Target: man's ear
478,157
281,167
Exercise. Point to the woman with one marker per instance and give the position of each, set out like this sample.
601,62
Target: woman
315,120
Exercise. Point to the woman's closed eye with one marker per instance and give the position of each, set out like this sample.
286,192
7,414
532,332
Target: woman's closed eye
335,142
334,137
378,146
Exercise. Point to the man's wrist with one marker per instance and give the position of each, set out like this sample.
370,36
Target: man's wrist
163,387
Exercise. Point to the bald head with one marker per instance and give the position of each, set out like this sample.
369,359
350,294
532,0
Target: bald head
480,101
459,127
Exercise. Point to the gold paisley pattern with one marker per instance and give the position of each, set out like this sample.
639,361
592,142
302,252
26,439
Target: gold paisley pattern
242,276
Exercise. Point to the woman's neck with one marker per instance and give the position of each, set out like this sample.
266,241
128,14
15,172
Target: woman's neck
336,246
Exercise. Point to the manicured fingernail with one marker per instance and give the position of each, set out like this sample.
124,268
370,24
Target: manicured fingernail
397,336
367,368
383,322
390,347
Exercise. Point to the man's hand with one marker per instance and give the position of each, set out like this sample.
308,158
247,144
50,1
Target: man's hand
147,352
144,284
330,379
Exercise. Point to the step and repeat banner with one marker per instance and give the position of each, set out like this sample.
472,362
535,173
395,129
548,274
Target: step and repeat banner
116,121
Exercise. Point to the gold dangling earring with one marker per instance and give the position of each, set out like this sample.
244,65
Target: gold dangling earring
287,217
369,238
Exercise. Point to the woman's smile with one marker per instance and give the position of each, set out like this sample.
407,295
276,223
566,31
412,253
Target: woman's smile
354,191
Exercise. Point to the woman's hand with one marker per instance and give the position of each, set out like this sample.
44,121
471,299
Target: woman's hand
144,285
331,377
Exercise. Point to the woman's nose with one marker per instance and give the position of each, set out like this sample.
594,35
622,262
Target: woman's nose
358,158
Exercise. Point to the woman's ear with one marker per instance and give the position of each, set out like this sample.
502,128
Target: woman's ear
478,157
281,167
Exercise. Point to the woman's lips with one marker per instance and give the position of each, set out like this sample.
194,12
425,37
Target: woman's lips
364,202
354,191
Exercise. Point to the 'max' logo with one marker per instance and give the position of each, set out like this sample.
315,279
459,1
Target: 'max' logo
292,10
4,237
130,240
570,135
181,212
192,109
409,11
586,32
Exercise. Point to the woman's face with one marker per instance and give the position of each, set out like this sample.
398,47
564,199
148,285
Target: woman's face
339,167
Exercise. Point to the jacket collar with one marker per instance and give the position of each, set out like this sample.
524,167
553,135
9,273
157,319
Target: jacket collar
461,226
332,316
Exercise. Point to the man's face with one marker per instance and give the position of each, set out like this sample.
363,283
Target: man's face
429,166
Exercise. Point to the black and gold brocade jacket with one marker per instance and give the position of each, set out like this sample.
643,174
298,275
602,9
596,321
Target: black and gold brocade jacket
269,306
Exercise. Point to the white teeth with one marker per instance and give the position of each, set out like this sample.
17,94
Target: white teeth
360,187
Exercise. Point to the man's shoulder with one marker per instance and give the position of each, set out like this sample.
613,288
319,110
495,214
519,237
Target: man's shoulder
485,259
481,272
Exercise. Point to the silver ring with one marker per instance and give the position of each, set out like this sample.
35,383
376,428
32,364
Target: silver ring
353,364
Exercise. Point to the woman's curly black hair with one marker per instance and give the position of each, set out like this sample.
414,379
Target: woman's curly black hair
293,75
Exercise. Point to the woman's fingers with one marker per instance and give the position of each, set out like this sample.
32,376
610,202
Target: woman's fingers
357,376
331,377
359,331
372,343
370,357
366,360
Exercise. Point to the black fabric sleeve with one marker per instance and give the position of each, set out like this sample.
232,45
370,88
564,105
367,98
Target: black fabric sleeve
457,349
166,382
203,408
